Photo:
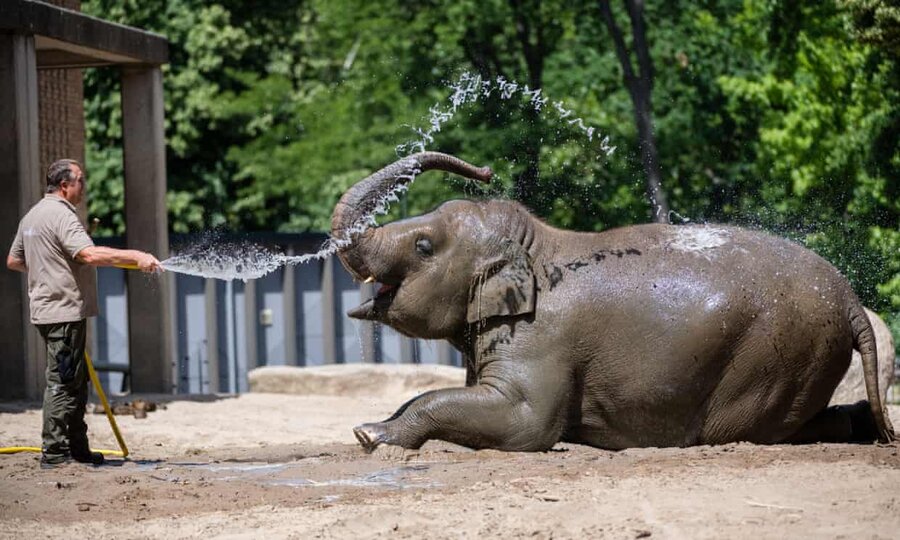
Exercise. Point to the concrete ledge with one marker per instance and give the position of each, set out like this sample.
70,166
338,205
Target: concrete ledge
89,37
356,380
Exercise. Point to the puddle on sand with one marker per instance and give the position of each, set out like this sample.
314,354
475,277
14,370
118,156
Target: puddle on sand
285,474
396,478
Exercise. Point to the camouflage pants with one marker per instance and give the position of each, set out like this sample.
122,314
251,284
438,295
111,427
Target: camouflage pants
65,397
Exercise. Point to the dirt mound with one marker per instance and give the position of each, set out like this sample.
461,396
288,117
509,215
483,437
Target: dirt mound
355,380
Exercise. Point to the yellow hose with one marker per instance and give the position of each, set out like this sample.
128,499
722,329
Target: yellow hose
17,449
109,416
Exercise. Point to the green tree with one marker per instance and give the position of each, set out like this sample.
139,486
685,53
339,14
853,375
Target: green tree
823,115
639,82
215,50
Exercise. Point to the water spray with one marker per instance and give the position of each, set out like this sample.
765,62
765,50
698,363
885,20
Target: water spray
247,261
469,88
250,264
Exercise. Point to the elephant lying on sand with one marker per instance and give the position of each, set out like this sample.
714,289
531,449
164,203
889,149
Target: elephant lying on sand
651,335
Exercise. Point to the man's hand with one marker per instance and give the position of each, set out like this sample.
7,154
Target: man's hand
16,264
148,263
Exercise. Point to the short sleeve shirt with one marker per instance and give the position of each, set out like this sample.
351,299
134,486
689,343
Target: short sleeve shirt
60,289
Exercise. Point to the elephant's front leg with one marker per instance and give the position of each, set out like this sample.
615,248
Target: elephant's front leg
480,416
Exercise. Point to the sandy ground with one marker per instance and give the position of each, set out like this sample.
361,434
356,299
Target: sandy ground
267,465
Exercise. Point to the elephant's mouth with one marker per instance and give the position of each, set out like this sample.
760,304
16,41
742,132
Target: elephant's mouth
386,289
376,307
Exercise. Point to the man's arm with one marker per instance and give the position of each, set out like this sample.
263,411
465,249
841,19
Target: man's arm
107,256
15,260
16,264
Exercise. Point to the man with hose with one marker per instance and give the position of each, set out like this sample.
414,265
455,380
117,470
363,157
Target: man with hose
53,248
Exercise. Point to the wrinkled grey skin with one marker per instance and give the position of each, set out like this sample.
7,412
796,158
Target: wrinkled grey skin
652,335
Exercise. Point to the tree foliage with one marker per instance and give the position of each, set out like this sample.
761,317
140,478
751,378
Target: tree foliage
777,114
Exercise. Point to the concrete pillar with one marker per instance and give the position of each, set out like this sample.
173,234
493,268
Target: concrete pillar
24,356
150,298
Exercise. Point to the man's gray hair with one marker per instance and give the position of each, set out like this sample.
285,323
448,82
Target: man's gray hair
60,170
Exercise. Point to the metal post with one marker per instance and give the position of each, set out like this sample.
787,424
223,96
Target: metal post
289,299
445,353
251,325
212,335
329,322
231,336
367,343
408,351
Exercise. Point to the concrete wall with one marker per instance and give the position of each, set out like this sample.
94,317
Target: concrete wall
60,115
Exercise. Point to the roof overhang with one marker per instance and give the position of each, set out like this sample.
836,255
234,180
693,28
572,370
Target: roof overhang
69,39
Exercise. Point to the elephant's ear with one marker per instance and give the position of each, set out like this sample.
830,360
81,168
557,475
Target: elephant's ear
505,285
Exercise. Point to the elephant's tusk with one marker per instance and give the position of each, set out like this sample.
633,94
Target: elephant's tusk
370,279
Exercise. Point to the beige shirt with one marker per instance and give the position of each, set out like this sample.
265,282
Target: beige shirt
60,289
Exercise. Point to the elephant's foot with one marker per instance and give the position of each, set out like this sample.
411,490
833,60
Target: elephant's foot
370,436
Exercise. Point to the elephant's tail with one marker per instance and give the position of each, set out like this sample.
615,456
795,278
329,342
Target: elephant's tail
864,342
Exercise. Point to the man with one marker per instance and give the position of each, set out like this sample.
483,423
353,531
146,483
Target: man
53,248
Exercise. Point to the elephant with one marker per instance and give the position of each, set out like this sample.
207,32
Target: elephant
650,335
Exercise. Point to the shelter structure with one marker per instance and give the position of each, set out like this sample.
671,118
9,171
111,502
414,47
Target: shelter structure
43,47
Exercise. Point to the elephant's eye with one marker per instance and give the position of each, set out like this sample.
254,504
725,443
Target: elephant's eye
423,247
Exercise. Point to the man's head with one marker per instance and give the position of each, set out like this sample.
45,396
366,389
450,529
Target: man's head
65,178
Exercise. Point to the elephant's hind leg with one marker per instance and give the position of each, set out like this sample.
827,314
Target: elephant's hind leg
837,424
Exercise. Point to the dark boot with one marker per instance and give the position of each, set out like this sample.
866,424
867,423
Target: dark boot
53,461
94,458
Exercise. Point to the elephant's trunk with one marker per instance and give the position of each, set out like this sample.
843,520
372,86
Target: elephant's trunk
352,213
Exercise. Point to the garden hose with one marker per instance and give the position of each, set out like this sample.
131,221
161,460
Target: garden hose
17,449
109,415
112,421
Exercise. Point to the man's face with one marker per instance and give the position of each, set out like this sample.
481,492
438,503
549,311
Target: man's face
73,190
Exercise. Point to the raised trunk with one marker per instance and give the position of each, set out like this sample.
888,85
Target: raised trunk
353,214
